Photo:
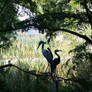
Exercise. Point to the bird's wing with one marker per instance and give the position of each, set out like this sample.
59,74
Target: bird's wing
50,52
47,55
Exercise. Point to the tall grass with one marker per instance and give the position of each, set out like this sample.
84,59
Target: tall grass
24,50
24,54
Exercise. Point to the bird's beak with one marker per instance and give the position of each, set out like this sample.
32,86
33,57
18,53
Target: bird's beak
60,50
38,46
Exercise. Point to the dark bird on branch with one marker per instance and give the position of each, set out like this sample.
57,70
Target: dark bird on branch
55,61
49,56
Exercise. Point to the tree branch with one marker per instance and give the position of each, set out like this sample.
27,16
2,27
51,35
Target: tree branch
57,29
28,23
77,34
76,80
86,7
4,66
89,13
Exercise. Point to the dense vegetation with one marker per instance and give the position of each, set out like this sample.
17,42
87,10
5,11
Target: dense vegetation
52,17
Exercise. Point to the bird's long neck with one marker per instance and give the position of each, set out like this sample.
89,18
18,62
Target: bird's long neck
57,55
43,46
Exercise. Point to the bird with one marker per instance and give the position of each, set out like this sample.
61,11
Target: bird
55,61
49,56
46,52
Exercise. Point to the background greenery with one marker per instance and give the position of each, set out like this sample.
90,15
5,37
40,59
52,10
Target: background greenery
24,54
50,17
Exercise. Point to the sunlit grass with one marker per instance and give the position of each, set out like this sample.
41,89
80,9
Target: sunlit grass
24,49
24,54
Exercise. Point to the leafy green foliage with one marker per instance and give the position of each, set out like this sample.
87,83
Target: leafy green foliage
50,15
7,16
7,19
81,64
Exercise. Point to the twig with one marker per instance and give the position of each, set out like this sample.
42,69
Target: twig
4,66
29,72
